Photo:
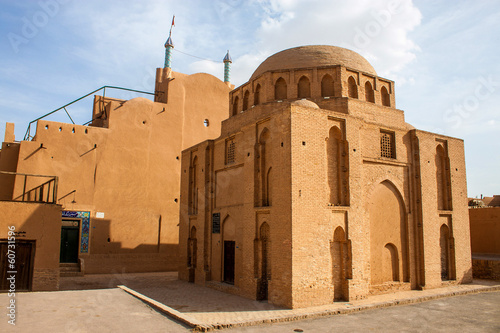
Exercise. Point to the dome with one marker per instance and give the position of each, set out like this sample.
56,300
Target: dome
306,103
314,56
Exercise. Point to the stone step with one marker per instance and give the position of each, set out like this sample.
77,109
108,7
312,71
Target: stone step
69,269
69,264
70,274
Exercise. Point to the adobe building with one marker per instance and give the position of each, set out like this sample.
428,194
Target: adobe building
318,190
484,218
114,184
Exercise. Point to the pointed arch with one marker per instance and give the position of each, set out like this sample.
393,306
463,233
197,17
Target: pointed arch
280,89
391,262
369,94
337,167
388,226
340,252
263,174
268,196
228,228
327,87
193,186
442,174
352,87
386,98
333,158
246,96
304,87
256,95
444,235
235,106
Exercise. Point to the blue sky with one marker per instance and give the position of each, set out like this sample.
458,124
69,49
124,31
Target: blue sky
443,55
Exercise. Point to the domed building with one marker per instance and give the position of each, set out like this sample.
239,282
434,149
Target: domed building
318,190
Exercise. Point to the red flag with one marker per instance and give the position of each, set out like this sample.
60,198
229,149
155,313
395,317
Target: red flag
173,23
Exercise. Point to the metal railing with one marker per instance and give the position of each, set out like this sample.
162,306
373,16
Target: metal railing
28,135
44,192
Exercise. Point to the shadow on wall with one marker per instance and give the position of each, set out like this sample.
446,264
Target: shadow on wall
101,242
38,232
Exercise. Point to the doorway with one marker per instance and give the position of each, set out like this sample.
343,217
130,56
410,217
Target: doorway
229,261
24,258
70,235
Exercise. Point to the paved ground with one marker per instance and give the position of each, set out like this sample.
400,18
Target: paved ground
471,313
110,310
115,310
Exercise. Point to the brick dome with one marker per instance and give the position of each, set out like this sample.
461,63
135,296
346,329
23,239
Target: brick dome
314,56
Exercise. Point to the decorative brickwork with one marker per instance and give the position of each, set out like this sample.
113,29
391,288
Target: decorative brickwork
387,144
328,199
230,151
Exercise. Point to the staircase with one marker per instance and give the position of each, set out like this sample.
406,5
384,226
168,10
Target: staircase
69,269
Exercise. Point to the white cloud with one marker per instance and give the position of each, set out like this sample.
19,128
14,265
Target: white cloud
373,28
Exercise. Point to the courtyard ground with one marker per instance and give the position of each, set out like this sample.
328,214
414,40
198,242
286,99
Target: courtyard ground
93,303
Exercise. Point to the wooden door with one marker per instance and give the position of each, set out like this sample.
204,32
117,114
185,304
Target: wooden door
229,262
24,254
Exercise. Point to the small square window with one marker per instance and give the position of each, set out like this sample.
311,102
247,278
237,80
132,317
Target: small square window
387,144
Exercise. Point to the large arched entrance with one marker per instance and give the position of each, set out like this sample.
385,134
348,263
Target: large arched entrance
388,235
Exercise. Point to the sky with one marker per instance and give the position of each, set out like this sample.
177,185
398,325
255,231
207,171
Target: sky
442,55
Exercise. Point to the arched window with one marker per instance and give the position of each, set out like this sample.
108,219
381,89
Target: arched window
245,100
444,235
386,98
304,88
334,149
352,87
235,106
263,171
256,95
442,174
193,187
327,86
280,89
370,97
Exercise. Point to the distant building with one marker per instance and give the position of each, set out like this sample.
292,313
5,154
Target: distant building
318,190
484,215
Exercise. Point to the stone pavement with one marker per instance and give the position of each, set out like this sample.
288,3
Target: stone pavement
109,310
206,309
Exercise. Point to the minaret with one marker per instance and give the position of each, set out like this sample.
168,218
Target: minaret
169,45
227,68
164,75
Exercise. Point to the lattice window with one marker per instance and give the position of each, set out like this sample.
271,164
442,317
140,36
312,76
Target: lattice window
230,151
387,145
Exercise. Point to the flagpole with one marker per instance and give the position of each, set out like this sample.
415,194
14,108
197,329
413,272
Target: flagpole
171,26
